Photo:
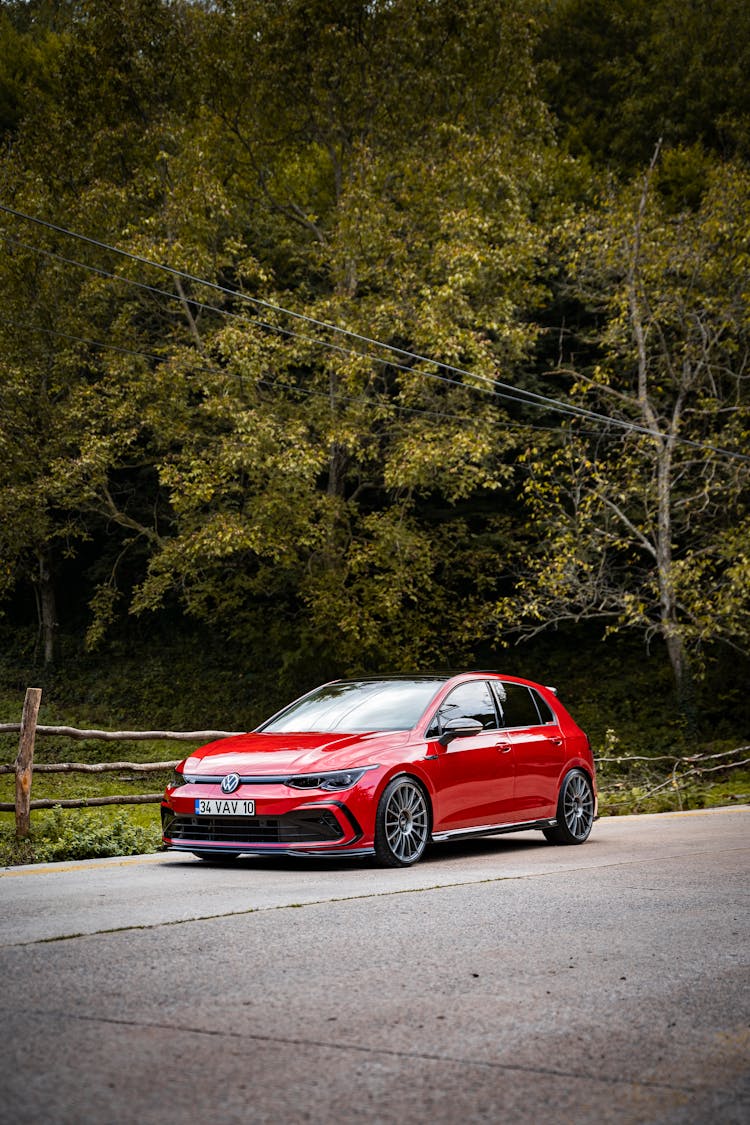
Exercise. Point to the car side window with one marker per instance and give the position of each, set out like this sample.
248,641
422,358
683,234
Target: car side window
517,706
546,714
472,700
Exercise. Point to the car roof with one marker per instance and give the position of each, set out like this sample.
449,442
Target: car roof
440,677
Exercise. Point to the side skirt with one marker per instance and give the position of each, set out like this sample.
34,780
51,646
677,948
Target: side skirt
494,829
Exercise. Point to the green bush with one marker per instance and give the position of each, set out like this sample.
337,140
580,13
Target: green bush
65,834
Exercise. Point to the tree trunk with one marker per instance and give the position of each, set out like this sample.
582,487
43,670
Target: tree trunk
671,628
683,676
47,607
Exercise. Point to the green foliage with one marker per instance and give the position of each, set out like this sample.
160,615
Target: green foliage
248,472
624,73
30,47
642,528
177,451
68,834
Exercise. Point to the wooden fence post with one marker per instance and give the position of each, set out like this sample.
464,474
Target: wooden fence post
25,760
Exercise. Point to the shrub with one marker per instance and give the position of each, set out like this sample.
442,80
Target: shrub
63,834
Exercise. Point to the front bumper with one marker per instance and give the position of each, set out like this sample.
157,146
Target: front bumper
280,826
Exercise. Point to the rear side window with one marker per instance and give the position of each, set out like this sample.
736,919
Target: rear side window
546,713
517,705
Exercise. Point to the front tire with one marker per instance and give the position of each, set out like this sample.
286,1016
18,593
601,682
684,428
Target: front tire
575,811
402,823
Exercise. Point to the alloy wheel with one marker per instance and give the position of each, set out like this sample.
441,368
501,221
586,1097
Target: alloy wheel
578,806
405,823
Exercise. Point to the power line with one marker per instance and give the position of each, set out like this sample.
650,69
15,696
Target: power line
513,394
279,329
532,397
571,410
258,301
83,340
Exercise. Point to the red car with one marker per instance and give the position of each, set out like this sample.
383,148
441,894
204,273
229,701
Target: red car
384,765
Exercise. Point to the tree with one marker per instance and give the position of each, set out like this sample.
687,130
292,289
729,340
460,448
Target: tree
374,166
30,47
621,73
304,488
75,110
641,524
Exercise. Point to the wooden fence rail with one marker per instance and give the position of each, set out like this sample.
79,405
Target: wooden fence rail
124,735
96,767
692,765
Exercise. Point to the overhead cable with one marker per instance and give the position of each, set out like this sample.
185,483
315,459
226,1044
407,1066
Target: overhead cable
530,397
515,394
273,384
389,361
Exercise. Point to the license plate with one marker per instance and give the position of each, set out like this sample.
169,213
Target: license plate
223,807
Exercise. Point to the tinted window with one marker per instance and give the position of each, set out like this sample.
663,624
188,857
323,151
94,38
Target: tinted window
357,706
517,706
468,701
545,711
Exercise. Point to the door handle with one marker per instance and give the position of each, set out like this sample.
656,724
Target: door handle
557,742
503,747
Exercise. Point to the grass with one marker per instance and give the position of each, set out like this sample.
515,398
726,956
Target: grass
65,834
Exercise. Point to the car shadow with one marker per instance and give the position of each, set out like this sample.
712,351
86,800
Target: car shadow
436,853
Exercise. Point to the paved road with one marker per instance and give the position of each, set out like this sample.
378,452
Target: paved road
500,980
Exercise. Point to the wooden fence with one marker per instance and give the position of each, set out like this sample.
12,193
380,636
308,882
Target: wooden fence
675,773
24,766
683,769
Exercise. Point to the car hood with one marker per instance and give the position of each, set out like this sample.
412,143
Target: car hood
271,754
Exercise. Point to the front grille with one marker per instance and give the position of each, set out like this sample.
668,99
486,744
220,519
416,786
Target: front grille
315,826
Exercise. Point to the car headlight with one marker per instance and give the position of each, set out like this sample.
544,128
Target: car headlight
338,779
176,778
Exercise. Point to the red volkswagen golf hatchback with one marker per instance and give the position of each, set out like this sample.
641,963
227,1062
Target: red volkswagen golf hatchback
382,766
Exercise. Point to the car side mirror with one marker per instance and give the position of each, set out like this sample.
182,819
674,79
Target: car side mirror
459,728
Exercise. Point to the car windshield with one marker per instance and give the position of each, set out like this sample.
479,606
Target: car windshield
356,706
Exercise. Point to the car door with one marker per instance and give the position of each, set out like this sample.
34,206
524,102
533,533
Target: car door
529,725
474,774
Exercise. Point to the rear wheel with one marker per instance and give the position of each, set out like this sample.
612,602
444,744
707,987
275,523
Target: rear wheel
402,823
216,857
575,811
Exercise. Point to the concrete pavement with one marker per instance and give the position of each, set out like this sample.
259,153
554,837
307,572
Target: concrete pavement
501,980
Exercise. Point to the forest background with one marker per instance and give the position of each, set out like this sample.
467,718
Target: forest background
344,337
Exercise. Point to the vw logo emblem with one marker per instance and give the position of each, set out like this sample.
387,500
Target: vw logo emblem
230,783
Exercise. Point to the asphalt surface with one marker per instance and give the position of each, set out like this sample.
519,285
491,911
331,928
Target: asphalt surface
499,980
